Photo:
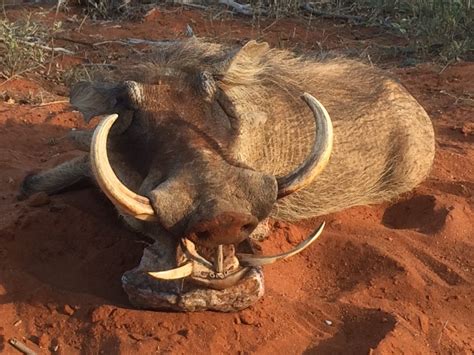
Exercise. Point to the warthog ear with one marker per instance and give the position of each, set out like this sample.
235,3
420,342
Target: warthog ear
99,98
250,51
243,65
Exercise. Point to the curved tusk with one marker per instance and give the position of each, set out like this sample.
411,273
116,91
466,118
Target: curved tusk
173,274
190,248
319,157
123,198
253,260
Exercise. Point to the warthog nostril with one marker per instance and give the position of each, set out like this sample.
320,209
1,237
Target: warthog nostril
204,235
248,228
225,228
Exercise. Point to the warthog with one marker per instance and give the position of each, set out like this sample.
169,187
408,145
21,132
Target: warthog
201,142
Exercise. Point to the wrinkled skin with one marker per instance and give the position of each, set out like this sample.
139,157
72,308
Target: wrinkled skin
209,130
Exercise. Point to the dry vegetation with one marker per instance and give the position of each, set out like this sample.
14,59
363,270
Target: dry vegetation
433,29
25,46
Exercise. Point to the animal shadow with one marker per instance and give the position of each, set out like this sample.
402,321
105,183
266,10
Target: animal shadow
421,213
362,330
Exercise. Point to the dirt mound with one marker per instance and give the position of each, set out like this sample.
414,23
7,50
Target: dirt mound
390,278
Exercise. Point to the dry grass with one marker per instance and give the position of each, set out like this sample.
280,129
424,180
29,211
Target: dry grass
24,46
442,28
433,28
19,54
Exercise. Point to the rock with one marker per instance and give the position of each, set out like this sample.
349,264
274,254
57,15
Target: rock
336,224
261,232
152,15
408,62
292,237
68,310
44,341
146,292
467,128
247,318
184,332
328,322
101,313
38,199
424,323
54,345
136,336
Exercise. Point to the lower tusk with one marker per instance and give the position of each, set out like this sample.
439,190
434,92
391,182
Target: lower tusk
219,259
174,274
252,260
190,249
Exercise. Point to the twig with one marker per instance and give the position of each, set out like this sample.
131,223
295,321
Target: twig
441,332
21,347
446,66
56,49
196,6
134,41
270,25
110,42
99,65
329,15
457,98
52,103
8,79
81,24
73,40
50,65
58,5
244,9
153,43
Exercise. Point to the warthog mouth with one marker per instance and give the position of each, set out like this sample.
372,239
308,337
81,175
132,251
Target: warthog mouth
222,267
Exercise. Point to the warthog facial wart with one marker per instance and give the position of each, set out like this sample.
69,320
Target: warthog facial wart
199,143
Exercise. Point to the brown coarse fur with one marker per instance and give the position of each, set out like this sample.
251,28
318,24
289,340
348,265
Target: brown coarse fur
383,139
210,127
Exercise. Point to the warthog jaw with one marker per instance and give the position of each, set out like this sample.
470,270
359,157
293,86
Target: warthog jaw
214,275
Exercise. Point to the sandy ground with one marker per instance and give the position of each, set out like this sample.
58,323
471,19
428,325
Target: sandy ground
392,278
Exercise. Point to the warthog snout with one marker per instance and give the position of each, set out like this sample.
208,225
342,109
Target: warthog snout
225,228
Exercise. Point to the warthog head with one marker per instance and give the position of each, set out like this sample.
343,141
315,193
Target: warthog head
186,171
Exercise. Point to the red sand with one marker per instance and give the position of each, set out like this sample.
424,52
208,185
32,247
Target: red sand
393,278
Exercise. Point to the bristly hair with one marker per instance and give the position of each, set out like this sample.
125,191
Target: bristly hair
263,86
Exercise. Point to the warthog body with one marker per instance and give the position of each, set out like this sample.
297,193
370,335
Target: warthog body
383,139
203,130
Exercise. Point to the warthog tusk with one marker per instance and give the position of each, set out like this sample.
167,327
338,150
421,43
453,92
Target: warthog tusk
173,274
218,280
320,153
219,264
125,200
190,249
253,260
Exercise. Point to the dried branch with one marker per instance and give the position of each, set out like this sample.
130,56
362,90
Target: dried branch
244,9
309,8
42,46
